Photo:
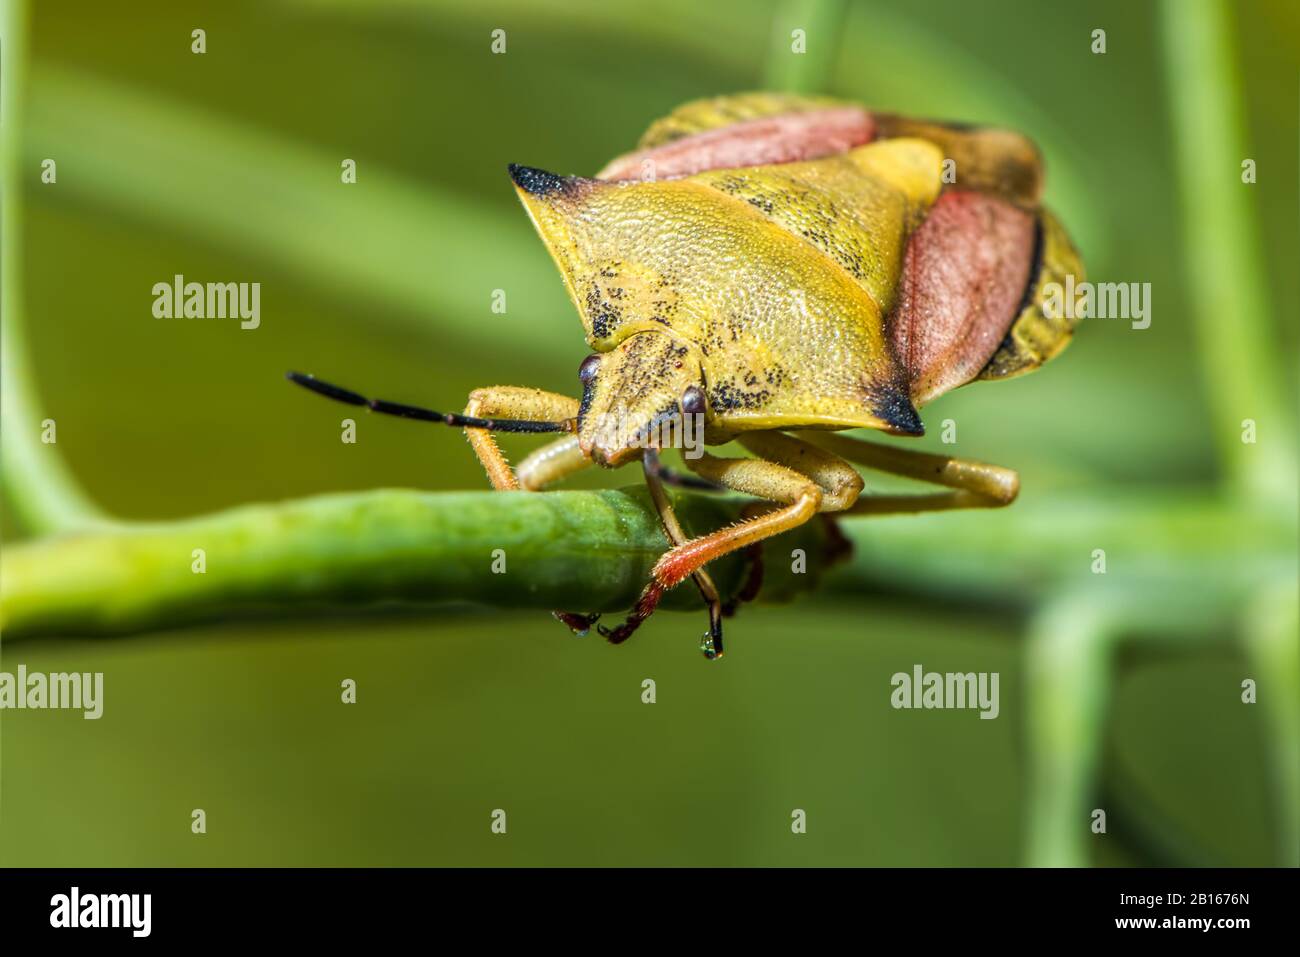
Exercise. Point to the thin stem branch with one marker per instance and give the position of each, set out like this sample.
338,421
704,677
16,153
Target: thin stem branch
592,551
809,71
1225,270
1068,669
575,551
1272,626
40,486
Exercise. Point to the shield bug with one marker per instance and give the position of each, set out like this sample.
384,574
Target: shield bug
774,270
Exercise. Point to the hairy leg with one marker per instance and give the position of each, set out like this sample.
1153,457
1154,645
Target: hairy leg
550,463
712,644
515,402
972,484
798,478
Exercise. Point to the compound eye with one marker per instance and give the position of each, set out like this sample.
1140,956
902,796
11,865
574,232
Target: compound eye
587,371
693,401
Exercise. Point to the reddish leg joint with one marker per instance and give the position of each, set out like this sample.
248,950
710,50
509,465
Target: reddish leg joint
643,609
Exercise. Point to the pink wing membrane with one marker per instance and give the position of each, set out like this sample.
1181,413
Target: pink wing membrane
786,138
964,274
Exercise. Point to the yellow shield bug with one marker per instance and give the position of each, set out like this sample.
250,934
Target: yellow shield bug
763,265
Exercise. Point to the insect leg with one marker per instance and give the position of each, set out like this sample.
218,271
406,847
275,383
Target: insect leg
806,481
973,484
654,473
530,410
518,403
563,457
552,462
679,479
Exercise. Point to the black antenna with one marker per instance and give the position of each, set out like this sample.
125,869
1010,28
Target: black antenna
349,397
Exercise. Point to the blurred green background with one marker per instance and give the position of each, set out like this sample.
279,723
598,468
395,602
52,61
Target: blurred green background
225,166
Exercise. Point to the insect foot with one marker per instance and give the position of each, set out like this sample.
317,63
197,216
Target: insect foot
579,624
711,643
643,609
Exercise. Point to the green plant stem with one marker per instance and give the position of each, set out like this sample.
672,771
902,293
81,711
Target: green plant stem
592,551
576,551
1273,645
40,487
1224,260
822,22
1068,668
1195,557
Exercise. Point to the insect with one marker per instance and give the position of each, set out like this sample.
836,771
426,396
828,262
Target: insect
774,270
